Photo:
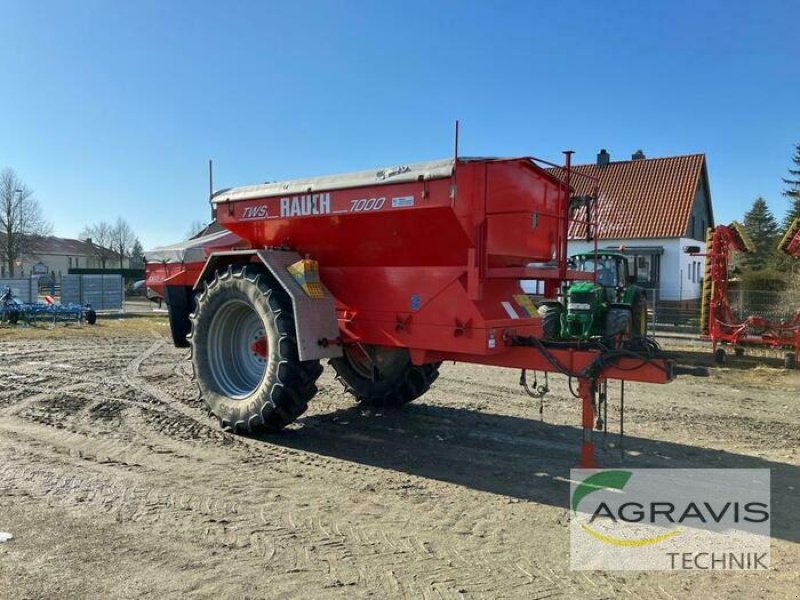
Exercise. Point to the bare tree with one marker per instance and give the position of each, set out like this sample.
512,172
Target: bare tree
123,239
102,237
21,222
195,228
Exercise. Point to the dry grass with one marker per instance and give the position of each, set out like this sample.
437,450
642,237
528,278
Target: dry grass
106,326
767,375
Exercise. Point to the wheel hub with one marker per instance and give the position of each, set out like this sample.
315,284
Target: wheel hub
260,346
238,349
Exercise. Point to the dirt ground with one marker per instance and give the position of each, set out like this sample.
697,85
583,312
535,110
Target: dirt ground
115,484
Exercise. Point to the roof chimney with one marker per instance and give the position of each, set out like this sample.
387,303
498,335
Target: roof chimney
603,158
89,241
638,155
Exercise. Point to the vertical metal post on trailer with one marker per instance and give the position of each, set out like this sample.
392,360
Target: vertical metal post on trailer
587,389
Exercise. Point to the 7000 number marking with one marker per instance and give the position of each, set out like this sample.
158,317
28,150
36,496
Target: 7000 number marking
367,204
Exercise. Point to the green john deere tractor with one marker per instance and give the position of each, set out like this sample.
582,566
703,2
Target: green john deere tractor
610,306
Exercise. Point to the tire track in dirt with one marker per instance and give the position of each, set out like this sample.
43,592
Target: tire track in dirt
441,555
491,564
227,526
415,547
134,379
113,496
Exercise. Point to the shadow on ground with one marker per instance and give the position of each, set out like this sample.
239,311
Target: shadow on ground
510,456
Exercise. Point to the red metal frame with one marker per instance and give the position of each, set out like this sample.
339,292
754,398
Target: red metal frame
441,275
721,326
160,274
790,242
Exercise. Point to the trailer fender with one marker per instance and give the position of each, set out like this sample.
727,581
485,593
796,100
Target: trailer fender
314,308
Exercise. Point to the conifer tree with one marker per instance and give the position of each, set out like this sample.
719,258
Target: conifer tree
792,191
760,224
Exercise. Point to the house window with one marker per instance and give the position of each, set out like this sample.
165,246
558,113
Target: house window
69,262
644,267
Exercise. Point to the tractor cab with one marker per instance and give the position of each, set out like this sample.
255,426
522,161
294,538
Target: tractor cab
611,269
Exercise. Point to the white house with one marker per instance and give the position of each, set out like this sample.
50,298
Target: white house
650,209
55,256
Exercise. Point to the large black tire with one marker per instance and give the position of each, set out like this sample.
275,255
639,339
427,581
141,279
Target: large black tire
179,326
639,314
248,389
13,317
618,322
719,356
91,316
551,321
180,304
383,377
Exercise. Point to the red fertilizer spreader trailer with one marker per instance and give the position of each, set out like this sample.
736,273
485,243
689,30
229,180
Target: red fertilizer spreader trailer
387,273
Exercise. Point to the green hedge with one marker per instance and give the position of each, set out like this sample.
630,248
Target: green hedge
764,280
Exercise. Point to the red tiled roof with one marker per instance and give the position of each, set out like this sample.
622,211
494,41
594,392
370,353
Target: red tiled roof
647,198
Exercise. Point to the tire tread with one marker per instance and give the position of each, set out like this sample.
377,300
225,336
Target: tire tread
285,394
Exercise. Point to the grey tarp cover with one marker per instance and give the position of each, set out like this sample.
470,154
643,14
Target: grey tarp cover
192,250
433,169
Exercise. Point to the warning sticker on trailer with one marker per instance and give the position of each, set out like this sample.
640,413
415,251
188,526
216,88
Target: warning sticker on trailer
526,304
402,201
510,310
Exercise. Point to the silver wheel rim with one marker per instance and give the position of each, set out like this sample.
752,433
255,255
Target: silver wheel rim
236,366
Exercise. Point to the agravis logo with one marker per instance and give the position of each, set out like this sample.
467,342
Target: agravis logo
665,518
611,480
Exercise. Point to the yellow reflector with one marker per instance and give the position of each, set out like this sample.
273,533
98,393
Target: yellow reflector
525,303
306,273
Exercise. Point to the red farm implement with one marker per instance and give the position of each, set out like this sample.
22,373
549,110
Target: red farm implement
387,273
719,321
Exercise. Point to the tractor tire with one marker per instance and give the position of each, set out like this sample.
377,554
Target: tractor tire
382,377
244,353
618,322
790,360
179,327
551,322
13,317
91,316
719,356
639,315
738,352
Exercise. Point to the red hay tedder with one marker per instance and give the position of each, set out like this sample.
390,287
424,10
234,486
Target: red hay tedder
387,273
718,320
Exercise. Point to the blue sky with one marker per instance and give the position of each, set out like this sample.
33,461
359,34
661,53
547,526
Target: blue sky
112,108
